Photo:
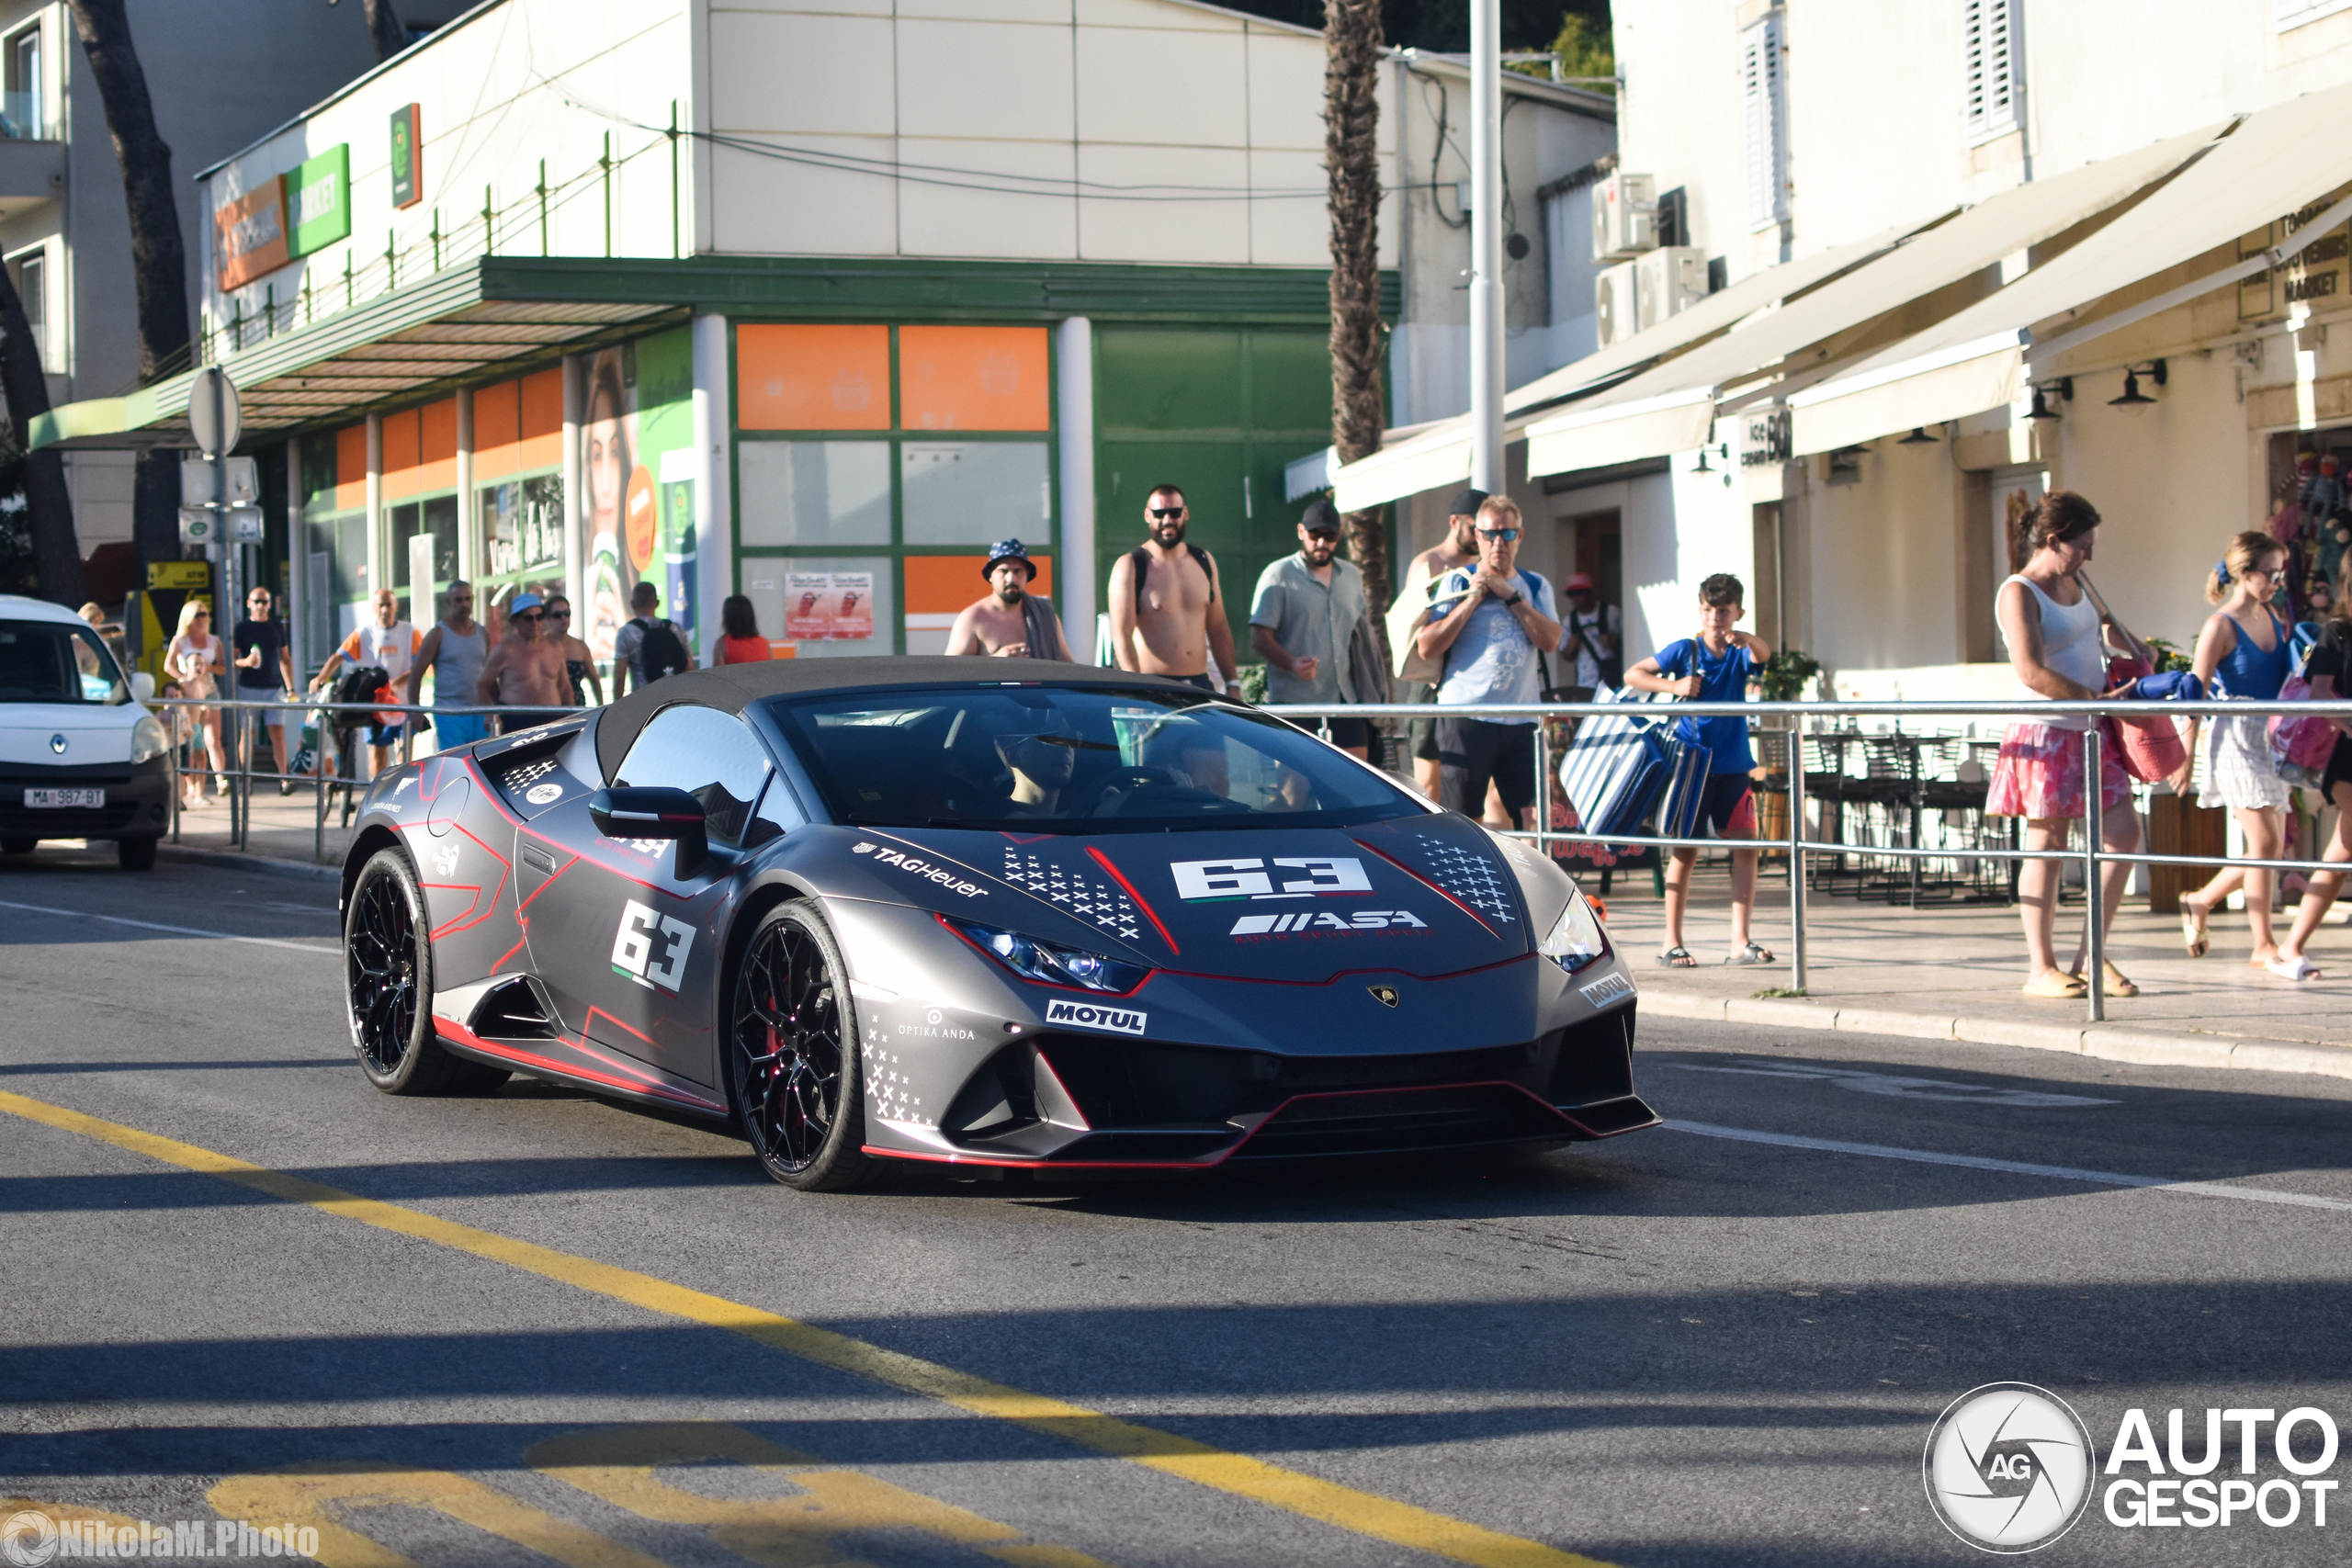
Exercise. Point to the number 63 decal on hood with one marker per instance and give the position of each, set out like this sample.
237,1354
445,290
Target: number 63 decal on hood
643,933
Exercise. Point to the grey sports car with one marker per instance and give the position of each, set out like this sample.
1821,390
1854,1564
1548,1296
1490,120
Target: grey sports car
988,912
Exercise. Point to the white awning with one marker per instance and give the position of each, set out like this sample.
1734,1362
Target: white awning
2273,162
1799,335
1440,454
1904,396
1621,432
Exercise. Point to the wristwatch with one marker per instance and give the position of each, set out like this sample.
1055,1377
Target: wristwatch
1515,600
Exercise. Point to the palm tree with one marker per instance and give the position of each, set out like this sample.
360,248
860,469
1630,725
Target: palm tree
158,261
49,505
384,28
1352,44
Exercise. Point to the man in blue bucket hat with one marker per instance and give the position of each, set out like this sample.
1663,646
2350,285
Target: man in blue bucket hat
1011,622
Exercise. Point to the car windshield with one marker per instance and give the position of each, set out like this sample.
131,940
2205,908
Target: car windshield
1047,759
49,661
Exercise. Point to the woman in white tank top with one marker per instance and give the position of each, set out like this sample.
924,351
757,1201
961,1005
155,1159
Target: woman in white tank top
2055,629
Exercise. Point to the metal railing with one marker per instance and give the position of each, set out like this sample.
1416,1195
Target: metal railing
239,717
2092,856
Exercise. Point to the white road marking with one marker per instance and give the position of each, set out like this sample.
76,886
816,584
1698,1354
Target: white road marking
176,930
1900,1086
2015,1167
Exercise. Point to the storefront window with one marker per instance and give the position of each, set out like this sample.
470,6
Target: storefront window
816,492
969,493
522,524
828,605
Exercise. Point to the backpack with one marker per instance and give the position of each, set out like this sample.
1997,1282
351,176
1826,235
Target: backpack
662,652
365,683
1141,557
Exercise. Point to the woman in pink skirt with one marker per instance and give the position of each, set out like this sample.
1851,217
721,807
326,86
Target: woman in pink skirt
2056,630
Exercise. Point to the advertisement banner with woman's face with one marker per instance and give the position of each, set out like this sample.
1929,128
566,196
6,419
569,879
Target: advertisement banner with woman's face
639,409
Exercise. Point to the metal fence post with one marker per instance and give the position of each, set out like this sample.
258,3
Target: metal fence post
1796,854
2096,944
1543,785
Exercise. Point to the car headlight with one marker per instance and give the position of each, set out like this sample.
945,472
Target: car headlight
148,740
1575,940
1053,964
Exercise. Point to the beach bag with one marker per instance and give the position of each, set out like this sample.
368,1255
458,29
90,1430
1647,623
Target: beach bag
2148,749
1616,768
2300,746
1687,767
306,756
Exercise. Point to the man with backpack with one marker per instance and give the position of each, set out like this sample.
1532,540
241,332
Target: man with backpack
387,648
1167,611
646,648
1490,626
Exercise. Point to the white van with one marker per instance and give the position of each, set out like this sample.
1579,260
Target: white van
80,758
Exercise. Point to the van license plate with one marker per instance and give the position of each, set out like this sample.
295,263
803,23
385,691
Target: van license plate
64,797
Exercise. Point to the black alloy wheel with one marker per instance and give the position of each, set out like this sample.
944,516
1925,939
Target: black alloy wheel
791,1054
388,977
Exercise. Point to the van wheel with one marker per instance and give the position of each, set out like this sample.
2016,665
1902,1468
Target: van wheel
136,855
19,844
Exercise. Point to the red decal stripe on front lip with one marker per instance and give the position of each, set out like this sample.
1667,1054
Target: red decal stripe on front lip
1104,861
1425,882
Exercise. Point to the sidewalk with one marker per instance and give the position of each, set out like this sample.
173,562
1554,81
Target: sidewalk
283,833
1953,971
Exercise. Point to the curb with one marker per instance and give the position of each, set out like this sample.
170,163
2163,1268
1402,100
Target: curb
2142,1047
260,865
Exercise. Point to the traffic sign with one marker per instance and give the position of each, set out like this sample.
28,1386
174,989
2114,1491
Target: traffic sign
213,415
197,482
199,525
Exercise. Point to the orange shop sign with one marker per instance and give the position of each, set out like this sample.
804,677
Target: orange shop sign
250,234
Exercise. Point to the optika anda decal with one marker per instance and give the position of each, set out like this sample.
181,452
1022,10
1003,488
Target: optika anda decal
938,875
1298,876
1323,923
1095,1015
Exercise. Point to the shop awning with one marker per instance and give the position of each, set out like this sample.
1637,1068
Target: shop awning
1440,454
1806,333
2272,162
1621,432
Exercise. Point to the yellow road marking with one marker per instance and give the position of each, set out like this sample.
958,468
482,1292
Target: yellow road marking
1364,1513
304,1494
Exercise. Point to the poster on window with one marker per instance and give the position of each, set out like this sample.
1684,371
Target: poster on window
639,429
808,605
851,616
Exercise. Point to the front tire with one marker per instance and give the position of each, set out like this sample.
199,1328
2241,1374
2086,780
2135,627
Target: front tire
19,844
792,1063
388,983
136,855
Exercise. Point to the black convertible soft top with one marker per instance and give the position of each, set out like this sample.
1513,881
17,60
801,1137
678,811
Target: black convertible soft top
729,687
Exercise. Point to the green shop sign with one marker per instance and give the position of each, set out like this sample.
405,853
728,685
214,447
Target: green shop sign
318,193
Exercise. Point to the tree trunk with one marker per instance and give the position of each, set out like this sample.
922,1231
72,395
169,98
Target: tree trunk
49,506
1352,42
384,30
158,259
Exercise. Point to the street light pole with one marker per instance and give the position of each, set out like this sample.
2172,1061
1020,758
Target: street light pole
1485,247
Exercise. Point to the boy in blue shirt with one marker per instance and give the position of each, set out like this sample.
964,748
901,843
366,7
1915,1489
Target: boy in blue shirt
1714,666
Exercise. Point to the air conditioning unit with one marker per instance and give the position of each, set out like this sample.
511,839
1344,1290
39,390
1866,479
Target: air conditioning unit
1613,301
1624,217
1670,278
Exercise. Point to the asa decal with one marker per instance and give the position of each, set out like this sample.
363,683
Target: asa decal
1324,920
644,933
1095,1015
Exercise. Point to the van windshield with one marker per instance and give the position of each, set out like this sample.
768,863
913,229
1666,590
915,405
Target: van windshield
1044,760
49,661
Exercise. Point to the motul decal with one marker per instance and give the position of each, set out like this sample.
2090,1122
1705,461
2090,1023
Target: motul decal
1310,921
1095,1015
1298,876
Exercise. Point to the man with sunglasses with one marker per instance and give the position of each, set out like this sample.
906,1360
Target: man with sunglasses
1490,626
1303,619
265,673
579,664
391,645
1167,611
525,670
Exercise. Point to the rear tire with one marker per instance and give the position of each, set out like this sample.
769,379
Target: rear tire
136,855
19,844
792,1062
388,983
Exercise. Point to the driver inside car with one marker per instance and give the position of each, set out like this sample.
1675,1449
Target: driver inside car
1041,766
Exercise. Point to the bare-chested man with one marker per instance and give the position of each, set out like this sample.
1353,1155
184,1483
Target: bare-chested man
1010,623
1173,621
525,670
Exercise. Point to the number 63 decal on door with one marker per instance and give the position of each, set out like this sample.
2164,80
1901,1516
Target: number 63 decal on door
642,932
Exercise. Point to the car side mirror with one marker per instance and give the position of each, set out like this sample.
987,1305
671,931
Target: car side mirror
653,812
143,686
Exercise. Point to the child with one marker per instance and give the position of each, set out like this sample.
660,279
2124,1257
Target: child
1714,667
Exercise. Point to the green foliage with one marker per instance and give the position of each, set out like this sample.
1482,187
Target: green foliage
1584,48
2170,659
1250,682
1785,674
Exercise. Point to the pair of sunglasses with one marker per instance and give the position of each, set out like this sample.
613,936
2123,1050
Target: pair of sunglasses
1167,514
1501,535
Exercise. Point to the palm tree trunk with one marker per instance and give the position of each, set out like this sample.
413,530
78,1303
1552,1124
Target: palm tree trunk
158,258
384,30
49,505
1351,42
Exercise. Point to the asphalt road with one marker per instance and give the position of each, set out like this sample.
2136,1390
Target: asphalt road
1685,1346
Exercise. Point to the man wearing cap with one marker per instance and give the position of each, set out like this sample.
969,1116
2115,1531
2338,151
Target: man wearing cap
1458,548
1010,623
1593,637
1302,618
525,670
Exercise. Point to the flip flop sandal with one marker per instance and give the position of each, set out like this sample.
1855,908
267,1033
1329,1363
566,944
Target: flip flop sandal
2117,983
2056,986
2299,967
1677,958
2192,932
1754,952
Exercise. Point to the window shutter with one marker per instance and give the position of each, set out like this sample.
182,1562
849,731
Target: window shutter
1765,105
1993,34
